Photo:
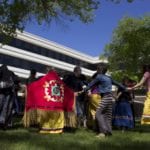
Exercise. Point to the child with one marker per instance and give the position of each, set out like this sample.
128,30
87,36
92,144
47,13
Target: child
122,113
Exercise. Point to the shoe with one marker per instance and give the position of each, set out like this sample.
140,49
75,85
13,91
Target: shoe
85,123
10,124
122,130
101,135
108,134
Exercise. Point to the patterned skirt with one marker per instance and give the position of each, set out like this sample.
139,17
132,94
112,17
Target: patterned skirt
49,121
146,111
6,107
122,114
94,100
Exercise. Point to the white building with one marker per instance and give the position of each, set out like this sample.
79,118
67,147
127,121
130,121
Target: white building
28,51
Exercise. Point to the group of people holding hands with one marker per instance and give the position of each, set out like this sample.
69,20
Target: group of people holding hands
121,115
93,100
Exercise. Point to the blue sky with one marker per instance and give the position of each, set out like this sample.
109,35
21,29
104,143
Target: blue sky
91,38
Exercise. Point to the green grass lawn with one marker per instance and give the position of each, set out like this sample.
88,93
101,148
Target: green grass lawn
19,138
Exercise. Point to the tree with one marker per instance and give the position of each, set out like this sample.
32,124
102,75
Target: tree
130,46
118,1
14,14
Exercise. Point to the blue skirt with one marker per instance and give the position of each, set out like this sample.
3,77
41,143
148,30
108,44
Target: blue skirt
123,114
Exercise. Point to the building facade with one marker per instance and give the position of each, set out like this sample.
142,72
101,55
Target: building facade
27,51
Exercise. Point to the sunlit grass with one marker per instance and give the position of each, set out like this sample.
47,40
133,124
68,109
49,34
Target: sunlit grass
20,138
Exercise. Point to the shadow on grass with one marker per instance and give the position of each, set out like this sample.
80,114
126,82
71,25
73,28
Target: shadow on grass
21,139
141,128
138,128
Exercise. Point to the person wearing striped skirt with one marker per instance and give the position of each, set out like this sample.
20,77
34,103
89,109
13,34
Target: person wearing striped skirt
104,110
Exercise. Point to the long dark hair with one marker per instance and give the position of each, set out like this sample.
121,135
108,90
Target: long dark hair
125,79
146,68
3,71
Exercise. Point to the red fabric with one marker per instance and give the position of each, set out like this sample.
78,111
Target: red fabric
49,93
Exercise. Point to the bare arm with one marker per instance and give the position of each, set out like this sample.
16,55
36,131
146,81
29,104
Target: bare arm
142,81
118,95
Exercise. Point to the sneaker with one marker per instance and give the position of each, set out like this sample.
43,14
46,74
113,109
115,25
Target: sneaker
101,135
122,130
108,134
85,123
